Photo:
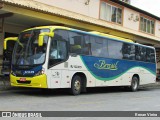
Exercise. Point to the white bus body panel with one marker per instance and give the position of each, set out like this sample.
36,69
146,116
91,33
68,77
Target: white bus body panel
60,76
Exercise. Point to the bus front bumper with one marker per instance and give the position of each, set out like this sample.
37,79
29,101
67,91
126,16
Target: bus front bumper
34,82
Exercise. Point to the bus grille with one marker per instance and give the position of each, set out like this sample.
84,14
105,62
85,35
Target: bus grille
23,82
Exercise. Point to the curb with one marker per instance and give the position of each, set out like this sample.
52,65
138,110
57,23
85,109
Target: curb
153,85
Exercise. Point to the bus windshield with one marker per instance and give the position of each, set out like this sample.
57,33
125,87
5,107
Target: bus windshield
27,52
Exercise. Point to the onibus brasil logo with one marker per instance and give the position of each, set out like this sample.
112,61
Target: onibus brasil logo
104,66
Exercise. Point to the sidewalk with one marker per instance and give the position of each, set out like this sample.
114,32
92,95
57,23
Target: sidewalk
153,85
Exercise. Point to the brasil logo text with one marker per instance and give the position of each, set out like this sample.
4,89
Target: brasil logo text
104,66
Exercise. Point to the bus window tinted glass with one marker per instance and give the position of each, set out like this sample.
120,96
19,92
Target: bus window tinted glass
58,51
150,55
79,43
75,40
62,33
128,51
96,46
115,49
140,53
105,48
86,46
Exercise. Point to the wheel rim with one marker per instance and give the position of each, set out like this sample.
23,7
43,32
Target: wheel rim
77,85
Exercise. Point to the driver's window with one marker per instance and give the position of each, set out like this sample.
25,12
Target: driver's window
53,50
58,52
62,50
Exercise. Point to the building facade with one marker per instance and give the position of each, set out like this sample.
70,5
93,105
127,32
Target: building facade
114,14
107,16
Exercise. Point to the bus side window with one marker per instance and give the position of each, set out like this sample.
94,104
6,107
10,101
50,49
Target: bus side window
143,54
62,50
98,46
87,46
140,53
58,50
104,50
79,43
150,55
115,49
128,51
77,46
62,33
138,57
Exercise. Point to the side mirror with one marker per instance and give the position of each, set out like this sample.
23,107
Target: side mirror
9,39
40,40
41,37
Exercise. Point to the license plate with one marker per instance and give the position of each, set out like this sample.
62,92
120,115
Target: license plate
22,79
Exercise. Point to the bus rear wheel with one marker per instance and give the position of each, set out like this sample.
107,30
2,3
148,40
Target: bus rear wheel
76,85
134,84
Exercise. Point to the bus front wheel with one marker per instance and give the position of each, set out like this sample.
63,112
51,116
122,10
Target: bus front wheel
76,85
134,84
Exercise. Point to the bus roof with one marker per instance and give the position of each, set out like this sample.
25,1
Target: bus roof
95,33
48,27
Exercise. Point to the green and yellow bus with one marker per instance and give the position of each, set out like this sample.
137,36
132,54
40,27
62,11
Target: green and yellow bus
60,57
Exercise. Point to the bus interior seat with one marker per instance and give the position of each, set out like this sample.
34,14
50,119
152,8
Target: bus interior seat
76,49
138,57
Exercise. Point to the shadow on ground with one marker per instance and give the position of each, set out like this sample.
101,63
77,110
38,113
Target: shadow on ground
66,92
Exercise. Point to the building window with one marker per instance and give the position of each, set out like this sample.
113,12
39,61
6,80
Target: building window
111,13
147,25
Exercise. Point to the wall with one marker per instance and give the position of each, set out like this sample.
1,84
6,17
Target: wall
1,43
11,28
129,20
157,28
78,6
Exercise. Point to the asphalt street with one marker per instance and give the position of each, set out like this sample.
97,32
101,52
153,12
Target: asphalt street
96,99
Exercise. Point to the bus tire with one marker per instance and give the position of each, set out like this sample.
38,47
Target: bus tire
76,85
134,84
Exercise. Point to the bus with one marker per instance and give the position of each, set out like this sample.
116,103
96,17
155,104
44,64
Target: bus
8,46
60,57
